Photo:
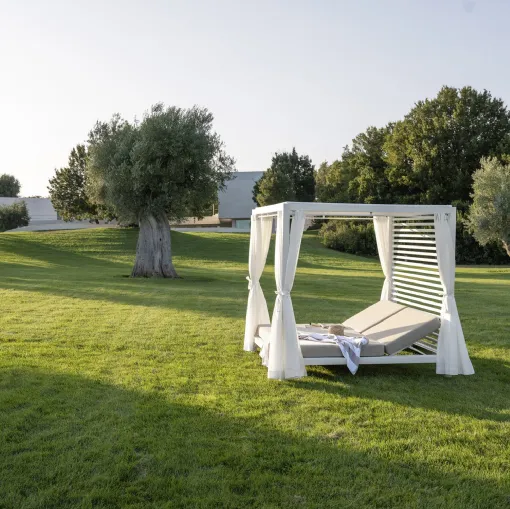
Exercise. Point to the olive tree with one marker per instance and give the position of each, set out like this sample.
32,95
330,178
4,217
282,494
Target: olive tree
168,166
489,215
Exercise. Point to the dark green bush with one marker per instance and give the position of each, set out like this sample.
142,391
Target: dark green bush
13,216
359,239
349,236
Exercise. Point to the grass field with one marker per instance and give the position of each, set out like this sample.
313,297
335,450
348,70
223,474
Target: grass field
136,393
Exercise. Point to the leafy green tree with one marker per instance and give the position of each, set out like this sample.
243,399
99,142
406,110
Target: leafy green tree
13,216
290,178
434,151
489,215
360,175
166,167
365,164
9,186
332,183
68,190
274,187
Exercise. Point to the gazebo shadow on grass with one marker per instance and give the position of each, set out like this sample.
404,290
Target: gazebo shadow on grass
70,441
423,388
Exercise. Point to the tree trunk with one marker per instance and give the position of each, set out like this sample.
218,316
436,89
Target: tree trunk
153,250
507,247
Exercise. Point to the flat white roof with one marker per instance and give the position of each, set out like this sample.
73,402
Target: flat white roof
353,209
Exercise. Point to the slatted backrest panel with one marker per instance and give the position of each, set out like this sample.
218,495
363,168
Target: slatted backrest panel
415,278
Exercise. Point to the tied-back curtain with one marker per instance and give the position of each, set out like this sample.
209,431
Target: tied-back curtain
452,354
285,359
256,312
383,226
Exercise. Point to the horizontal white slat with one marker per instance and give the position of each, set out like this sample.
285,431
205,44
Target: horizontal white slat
417,282
432,260
423,253
414,236
415,247
416,264
413,230
413,224
405,295
418,288
420,296
414,242
436,311
431,275
428,348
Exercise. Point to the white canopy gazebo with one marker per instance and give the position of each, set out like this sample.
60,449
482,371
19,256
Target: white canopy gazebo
416,245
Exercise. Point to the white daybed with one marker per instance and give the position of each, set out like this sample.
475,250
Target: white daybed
416,320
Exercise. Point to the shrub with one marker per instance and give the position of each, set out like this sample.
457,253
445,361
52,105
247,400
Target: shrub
13,216
350,237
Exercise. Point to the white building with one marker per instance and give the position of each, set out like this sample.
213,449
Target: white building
236,200
40,209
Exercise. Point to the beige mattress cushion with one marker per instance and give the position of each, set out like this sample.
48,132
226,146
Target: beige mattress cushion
314,349
373,315
403,329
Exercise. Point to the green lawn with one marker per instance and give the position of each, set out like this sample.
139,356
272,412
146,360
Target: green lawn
136,393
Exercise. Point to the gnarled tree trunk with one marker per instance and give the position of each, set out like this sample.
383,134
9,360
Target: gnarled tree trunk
153,250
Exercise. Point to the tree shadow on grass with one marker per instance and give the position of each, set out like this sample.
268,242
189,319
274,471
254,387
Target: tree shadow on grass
36,248
69,441
208,290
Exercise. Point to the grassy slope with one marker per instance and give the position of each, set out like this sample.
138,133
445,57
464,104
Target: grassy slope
136,393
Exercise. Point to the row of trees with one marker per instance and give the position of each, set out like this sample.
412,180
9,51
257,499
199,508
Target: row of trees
429,157
167,166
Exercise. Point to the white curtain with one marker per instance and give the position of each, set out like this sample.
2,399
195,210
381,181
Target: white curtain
383,226
256,312
452,354
284,358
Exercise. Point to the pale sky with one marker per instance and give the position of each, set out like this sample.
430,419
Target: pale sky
276,74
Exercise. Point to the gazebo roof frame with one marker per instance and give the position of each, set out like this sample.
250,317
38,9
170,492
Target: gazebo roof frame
321,210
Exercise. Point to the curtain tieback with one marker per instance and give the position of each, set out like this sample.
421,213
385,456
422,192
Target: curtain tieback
282,294
250,283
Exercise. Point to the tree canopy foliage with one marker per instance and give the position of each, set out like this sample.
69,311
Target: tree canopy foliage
360,176
290,178
489,215
428,157
68,190
9,186
434,151
171,163
168,166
